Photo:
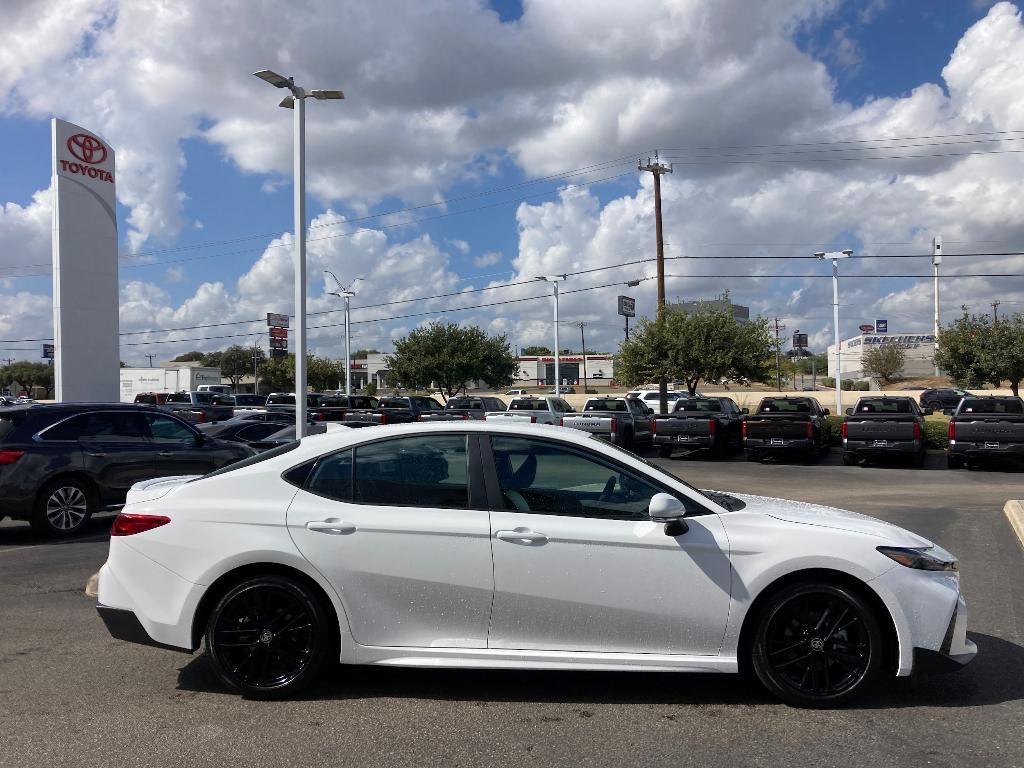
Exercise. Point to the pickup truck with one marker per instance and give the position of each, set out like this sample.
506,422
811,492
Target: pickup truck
983,427
466,408
620,420
786,425
287,400
334,407
714,423
884,426
199,407
393,410
533,410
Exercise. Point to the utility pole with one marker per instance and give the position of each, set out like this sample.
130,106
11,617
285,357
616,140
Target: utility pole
657,169
995,311
778,351
936,261
583,345
150,360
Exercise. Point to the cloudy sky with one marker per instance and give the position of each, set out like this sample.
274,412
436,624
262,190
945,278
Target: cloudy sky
483,143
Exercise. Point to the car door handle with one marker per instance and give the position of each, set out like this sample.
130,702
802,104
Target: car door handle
521,536
166,453
331,526
96,455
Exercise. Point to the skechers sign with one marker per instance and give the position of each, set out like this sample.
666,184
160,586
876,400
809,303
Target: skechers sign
909,342
87,155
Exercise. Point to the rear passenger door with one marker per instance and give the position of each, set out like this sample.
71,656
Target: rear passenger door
175,448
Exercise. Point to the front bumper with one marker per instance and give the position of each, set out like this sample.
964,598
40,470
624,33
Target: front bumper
956,650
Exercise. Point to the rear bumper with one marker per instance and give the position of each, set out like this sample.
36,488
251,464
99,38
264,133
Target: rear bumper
685,441
123,624
785,444
865,447
978,450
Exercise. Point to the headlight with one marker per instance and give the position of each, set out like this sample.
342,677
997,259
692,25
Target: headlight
918,557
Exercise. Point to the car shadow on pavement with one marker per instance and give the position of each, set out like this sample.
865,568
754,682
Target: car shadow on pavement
15,533
995,677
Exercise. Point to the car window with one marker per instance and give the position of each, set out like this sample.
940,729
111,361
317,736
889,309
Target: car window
179,397
879,405
394,402
698,406
528,405
146,399
167,430
545,478
101,426
332,477
617,406
782,405
986,405
281,400
426,471
256,431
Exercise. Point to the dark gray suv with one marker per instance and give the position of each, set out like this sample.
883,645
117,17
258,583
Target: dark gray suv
61,463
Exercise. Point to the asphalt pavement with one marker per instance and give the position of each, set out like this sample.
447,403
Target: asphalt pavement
72,696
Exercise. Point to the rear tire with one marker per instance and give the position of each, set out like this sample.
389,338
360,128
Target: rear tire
665,451
849,459
63,507
268,637
954,462
919,459
816,645
753,456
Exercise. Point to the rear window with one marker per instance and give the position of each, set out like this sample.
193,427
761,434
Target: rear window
179,397
146,399
780,405
984,405
7,426
281,400
700,406
466,403
884,406
394,402
617,406
250,400
528,405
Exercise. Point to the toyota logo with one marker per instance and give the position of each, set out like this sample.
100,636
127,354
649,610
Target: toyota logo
87,148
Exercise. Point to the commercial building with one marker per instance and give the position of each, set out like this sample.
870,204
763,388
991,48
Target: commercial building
919,350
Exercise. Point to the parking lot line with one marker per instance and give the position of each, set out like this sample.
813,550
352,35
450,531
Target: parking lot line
1014,510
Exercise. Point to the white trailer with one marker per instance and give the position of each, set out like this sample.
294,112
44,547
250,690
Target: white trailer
135,381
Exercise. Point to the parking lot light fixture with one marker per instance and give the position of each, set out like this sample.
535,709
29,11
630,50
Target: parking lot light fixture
345,292
555,280
297,102
835,256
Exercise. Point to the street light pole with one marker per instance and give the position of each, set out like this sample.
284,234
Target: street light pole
297,101
555,280
255,376
936,260
836,256
345,292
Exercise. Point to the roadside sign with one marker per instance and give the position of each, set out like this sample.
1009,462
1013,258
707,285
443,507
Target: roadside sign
627,306
47,351
799,340
279,343
867,328
278,333
278,352
277,321
881,326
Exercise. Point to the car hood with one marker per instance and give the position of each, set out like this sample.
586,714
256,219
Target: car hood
158,487
803,513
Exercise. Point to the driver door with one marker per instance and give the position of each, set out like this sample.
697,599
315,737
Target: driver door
579,566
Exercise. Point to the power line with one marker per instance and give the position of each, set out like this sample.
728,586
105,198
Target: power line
848,141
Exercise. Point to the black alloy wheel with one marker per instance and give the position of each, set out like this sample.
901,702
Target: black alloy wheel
817,645
63,507
268,637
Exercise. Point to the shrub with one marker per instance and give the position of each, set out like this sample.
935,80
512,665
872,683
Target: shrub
936,433
828,381
862,386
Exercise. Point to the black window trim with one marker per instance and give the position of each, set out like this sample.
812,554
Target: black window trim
39,437
494,487
475,477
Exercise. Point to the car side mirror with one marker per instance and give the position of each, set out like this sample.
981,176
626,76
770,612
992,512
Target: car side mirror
667,509
849,411
926,411
825,411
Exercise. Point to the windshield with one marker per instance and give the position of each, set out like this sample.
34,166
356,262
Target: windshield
986,405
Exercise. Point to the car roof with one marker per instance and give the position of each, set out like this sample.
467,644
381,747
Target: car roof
44,407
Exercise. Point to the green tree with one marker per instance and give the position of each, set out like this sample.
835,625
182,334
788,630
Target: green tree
535,351
885,362
189,357
362,354
31,375
974,351
705,344
279,373
451,356
212,359
322,373
236,362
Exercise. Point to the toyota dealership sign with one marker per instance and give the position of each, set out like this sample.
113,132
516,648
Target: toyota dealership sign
85,297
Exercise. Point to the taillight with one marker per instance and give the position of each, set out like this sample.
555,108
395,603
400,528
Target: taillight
319,417
615,423
533,419
654,427
810,430
9,457
383,418
128,524
711,427
743,426
844,430
561,422
418,418
917,430
952,431
202,417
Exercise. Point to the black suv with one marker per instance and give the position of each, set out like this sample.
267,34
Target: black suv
942,399
61,463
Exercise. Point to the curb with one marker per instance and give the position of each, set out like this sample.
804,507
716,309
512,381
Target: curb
1014,511
93,584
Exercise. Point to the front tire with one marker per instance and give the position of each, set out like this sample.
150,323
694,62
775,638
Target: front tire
665,451
268,637
816,645
63,507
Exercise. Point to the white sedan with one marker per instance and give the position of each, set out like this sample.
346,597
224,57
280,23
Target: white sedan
475,544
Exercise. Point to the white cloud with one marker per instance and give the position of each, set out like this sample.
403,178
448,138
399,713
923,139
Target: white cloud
488,259
459,245
174,274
